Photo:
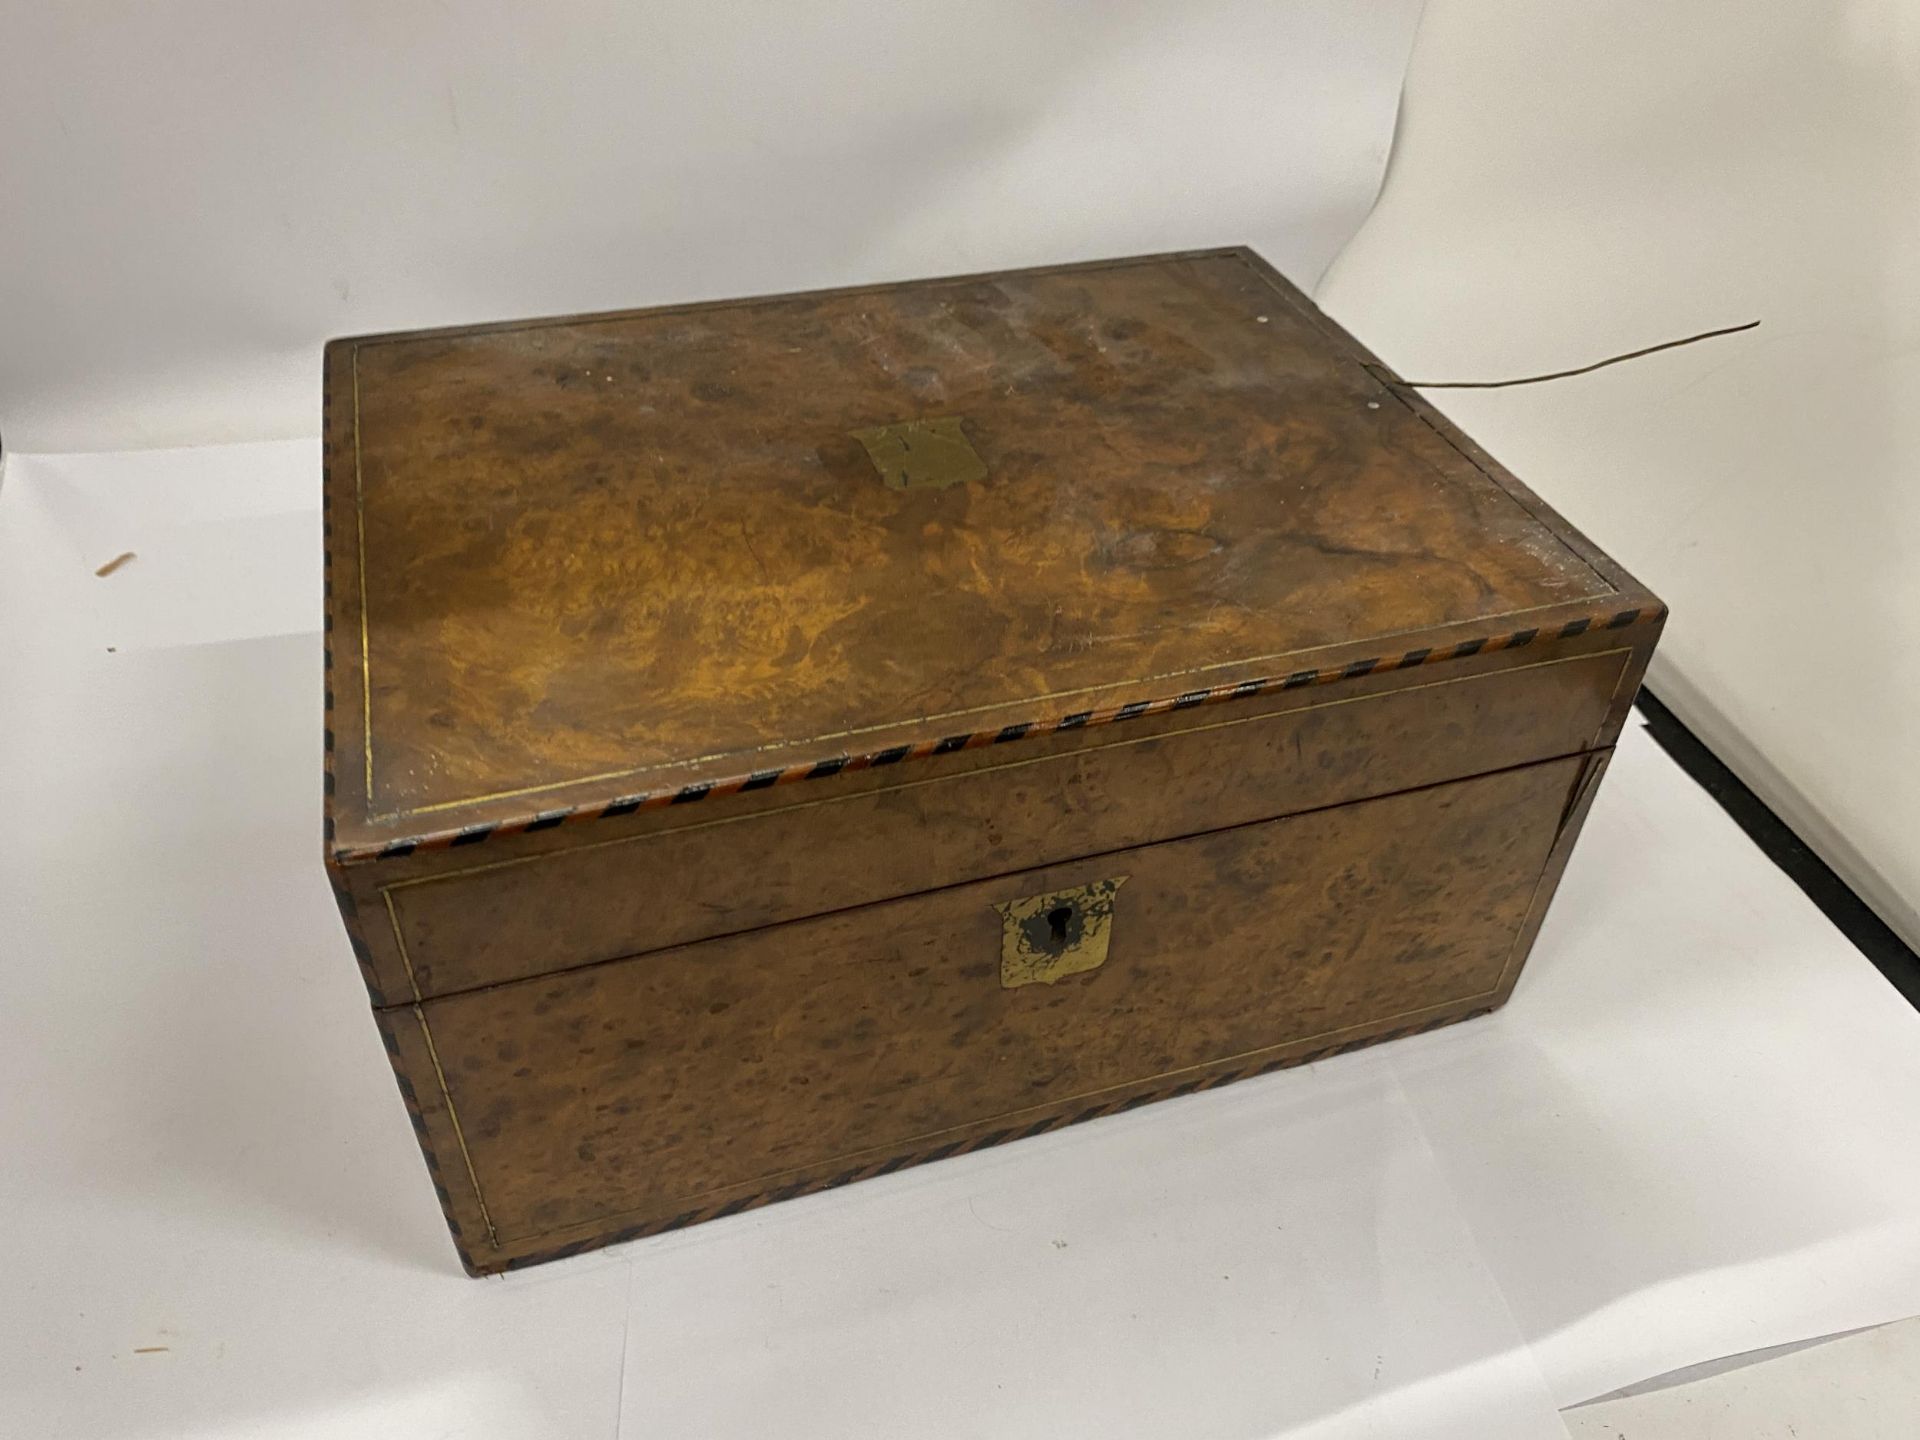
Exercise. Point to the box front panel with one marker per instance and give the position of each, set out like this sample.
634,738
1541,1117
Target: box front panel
492,920
686,1083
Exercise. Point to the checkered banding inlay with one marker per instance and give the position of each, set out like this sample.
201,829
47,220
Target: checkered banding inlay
818,769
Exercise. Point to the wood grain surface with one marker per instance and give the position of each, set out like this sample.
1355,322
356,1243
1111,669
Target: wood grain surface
620,547
648,1087
506,918
1138,581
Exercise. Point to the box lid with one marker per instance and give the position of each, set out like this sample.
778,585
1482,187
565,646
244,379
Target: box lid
596,564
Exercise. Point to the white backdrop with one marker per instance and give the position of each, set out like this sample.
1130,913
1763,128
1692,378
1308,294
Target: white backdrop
1574,181
198,194
1692,1133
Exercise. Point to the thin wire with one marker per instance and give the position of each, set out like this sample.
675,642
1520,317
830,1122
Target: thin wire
1563,374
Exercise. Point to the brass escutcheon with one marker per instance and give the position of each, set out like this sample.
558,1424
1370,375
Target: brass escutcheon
1045,938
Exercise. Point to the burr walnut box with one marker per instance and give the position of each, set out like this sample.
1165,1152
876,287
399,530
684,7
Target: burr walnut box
774,743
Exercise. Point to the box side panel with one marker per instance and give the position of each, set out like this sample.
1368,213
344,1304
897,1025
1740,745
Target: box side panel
694,1082
503,918
1586,785
1632,675
364,916
416,1070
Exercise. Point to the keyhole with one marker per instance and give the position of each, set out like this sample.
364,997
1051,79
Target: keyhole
1057,919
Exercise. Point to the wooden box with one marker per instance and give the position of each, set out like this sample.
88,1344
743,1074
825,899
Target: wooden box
775,743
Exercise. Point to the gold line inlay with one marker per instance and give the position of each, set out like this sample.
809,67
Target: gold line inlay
453,1116
400,941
